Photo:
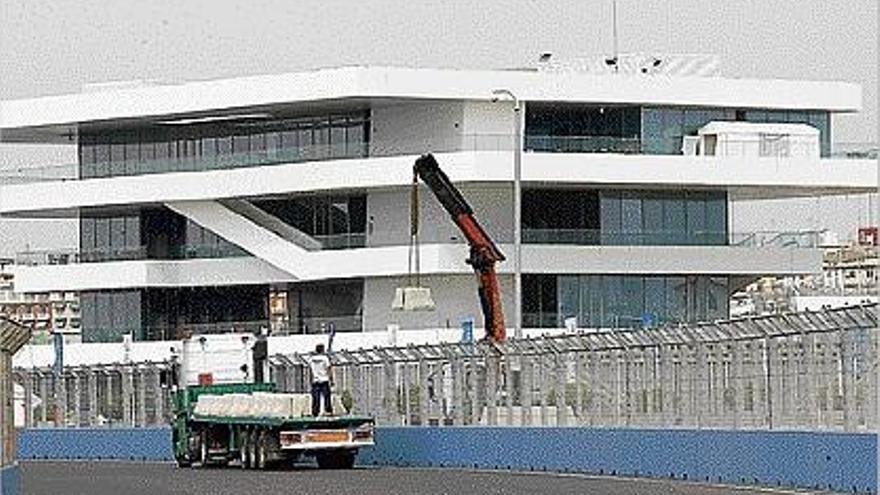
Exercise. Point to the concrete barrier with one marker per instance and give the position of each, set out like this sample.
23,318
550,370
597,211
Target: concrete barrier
846,462
143,444
9,480
837,461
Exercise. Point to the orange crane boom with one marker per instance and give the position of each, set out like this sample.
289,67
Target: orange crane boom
484,253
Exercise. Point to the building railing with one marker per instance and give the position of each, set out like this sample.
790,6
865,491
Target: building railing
583,144
597,237
581,237
412,146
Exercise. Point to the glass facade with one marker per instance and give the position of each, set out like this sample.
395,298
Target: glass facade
216,145
108,315
663,218
337,221
662,128
624,217
580,128
150,233
574,128
622,301
173,313
315,307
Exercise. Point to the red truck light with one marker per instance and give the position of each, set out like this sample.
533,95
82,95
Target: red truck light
362,435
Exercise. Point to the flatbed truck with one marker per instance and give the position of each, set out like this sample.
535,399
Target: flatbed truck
250,423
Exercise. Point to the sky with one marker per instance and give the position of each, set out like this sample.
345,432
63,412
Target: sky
56,46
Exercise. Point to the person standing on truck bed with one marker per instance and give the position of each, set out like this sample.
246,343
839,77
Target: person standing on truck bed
319,363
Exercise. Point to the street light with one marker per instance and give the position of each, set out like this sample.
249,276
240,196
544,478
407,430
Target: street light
517,207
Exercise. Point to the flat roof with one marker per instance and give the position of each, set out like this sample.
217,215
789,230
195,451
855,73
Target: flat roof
58,118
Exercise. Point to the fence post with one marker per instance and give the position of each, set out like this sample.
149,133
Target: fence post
456,367
93,397
492,363
560,373
28,398
527,367
509,387
127,396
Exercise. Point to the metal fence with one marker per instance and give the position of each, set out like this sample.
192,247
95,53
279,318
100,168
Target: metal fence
812,371
107,395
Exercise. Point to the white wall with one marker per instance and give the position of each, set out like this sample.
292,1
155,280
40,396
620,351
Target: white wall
415,126
454,295
389,211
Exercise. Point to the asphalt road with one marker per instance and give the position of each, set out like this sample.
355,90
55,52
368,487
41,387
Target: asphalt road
122,478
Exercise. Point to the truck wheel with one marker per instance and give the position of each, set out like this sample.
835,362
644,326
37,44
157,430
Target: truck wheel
253,455
203,451
244,454
262,448
343,459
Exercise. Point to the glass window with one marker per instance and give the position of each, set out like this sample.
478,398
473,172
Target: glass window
147,157
132,157
633,301
208,158
568,294
132,232
102,160
652,131
117,236
718,299
102,234
697,231
86,157
117,158
337,138
655,301
612,301
355,139
87,234
610,218
677,299
631,220
674,220
652,218
716,218
673,130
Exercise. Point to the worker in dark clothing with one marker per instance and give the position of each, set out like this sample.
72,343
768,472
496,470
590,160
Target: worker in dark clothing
322,378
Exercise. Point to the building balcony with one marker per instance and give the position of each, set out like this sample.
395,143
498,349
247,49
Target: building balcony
391,261
744,177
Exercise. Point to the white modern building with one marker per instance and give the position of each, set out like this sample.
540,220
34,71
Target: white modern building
283,200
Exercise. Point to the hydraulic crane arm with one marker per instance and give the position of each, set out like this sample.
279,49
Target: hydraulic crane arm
484,253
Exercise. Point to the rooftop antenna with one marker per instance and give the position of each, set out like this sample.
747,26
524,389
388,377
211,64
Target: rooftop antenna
615,60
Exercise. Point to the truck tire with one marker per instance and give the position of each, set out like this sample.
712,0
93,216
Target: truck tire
337,459
253,455
204,460
262,449
244,454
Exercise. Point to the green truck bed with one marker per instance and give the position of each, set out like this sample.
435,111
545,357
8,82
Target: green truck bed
306,422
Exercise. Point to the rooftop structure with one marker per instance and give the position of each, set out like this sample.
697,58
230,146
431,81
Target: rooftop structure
282,201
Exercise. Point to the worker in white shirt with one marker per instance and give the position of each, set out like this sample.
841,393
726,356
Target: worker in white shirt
322,378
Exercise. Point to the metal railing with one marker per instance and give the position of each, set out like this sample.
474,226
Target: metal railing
598,237
813,371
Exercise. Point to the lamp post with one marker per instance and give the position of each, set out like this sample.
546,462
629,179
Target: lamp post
517,207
